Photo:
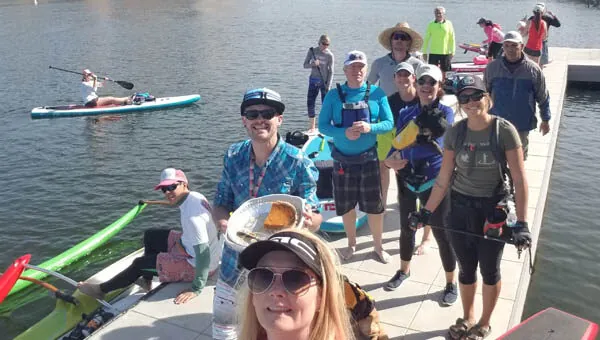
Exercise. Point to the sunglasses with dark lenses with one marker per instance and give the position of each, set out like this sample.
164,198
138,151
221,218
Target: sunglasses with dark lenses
401,36
169,187
423,81
265,114
324,43
295,281
355,57
475,97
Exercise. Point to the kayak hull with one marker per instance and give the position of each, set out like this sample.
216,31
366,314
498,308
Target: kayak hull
82,111
66,316
81,249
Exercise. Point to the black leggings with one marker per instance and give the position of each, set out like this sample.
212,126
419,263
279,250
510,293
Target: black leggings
155,242
468,214
439,217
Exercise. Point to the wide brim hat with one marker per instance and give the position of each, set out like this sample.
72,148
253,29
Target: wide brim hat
386,36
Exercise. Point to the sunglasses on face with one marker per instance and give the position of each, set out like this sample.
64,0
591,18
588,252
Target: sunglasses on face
265,114
465,98
171,187
295,281
401,36
324,43
423,81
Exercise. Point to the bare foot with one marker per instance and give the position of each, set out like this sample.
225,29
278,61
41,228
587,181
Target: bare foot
91,289
347,252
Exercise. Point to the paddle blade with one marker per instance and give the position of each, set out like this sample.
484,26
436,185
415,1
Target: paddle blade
11,275
406,137
124,84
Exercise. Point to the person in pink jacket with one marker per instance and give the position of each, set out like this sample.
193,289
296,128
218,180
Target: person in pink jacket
494,35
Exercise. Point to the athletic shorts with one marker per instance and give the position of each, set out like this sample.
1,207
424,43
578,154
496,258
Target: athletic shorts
531,52
173,265
357,183
92,103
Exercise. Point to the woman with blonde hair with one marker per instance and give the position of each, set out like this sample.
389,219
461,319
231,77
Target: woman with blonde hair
480,153
293,290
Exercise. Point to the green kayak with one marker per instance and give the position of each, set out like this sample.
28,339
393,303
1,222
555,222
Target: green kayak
81,249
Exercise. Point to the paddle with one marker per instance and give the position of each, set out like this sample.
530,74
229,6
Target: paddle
124,84
312,50
155,202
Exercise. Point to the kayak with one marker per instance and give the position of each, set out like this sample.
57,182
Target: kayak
552,323
63,321
81,249
80,110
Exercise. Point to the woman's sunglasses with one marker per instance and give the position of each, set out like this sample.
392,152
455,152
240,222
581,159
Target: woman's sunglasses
265,114
169,187
464,98
295,281
423,81
401,36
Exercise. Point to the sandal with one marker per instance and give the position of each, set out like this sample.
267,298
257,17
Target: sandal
478,332
347,253
459,329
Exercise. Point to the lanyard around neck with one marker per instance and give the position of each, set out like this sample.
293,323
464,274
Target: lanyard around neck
253,189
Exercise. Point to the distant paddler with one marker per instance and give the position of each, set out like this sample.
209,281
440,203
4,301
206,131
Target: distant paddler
192,255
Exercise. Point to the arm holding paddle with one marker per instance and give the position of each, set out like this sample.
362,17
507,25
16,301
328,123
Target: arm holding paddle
125,84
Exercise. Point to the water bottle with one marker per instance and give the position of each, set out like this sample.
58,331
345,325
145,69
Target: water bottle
511,217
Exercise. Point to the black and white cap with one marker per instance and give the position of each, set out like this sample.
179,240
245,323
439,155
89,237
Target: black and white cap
470,82
262,96
296,243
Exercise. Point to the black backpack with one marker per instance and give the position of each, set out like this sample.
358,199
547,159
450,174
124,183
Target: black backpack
506,186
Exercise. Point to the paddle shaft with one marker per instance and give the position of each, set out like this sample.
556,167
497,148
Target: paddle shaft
156,202
312,50
123,83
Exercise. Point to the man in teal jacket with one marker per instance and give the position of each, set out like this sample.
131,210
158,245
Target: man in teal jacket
353,114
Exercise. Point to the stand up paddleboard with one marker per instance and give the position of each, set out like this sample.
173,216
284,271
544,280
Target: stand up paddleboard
552,323
318,150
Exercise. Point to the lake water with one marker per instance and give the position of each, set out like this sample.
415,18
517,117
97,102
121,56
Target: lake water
67,178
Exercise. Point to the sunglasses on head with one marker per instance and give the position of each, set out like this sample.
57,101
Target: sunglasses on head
295,281
465,98
423,81
401,36
355,57
171,187
265,114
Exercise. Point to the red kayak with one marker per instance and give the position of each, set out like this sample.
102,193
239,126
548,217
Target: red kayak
550,324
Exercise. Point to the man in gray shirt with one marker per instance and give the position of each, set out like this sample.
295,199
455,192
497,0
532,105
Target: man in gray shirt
400,40
320,61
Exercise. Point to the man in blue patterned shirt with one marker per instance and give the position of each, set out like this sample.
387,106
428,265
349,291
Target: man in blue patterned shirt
265,164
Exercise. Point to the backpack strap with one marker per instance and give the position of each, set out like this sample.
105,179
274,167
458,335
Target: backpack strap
368,92
340,92
500,156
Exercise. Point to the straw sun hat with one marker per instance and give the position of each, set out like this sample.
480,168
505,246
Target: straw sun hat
386,36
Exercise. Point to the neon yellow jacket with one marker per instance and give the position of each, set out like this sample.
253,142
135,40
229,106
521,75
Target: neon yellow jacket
441,37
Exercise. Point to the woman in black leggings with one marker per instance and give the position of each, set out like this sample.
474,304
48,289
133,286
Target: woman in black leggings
476,153
418,163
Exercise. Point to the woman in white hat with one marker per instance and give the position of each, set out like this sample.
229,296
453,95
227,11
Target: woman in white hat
89,86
